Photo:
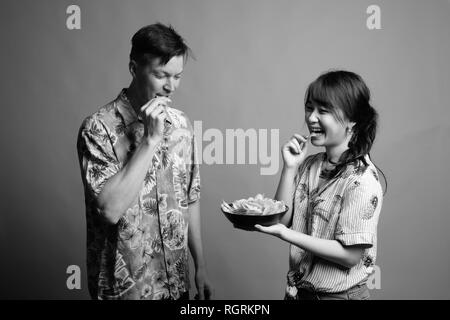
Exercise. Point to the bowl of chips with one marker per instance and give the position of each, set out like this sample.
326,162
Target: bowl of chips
245,213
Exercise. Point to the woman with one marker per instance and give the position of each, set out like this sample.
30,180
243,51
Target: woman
335,196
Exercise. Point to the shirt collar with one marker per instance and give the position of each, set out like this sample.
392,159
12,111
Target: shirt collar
129,115
125,108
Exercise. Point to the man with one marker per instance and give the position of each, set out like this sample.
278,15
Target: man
142,182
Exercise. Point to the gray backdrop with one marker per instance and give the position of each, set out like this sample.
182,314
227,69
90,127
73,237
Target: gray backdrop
254,60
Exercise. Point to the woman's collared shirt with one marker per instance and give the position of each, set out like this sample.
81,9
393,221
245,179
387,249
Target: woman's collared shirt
346,209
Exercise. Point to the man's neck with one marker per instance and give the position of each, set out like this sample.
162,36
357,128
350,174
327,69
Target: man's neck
135,98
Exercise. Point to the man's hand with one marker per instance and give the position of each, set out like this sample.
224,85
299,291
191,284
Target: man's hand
204,287
154,116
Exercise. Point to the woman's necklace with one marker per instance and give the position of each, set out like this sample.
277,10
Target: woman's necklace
331,162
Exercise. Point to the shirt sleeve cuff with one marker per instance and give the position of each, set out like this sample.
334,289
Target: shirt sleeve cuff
192,199
351,239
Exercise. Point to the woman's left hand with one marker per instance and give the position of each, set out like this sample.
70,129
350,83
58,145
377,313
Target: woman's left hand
274,230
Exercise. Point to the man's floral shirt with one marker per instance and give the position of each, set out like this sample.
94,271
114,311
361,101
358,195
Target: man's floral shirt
144,255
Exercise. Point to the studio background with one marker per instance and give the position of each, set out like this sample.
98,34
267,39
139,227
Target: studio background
254,60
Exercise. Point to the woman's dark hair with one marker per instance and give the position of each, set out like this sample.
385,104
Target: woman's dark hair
157,41
346,96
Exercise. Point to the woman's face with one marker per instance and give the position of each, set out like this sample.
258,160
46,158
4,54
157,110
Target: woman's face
325,130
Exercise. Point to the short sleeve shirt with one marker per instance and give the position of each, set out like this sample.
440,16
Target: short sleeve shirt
345,208
144,255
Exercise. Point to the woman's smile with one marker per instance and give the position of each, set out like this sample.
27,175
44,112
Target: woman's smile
316,132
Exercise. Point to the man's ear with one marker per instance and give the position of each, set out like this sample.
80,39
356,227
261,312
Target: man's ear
132,66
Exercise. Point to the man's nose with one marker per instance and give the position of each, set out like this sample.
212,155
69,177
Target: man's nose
169,85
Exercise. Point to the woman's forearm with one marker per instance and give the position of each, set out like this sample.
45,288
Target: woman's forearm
330,250
285,192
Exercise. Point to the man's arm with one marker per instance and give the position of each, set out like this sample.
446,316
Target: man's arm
120,191
204,288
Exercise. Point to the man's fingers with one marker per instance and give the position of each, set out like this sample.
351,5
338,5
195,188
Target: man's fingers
155,102
148,108
162,116
209,293
201,293
155,112
164,99
149,105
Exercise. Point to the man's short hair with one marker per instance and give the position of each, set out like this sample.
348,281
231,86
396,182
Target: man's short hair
157,41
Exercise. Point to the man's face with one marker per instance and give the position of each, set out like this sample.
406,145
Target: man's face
155,79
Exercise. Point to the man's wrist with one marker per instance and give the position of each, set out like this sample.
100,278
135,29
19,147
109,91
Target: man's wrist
150,143
200,266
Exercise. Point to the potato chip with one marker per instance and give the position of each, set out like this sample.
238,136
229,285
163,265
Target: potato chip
258,205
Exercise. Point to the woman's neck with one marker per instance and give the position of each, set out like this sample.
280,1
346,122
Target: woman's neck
334,153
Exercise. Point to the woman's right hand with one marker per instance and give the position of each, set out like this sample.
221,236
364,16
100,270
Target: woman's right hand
294,151
154,115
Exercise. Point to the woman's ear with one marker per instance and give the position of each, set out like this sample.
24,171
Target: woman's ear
132,66
350,126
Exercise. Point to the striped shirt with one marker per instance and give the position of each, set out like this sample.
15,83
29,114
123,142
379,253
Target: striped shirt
346,209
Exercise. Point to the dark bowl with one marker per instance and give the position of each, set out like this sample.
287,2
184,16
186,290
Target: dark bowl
248,221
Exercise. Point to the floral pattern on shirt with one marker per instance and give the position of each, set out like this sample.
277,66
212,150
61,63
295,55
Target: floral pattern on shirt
143,256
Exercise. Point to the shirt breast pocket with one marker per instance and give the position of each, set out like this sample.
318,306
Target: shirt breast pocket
323,218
